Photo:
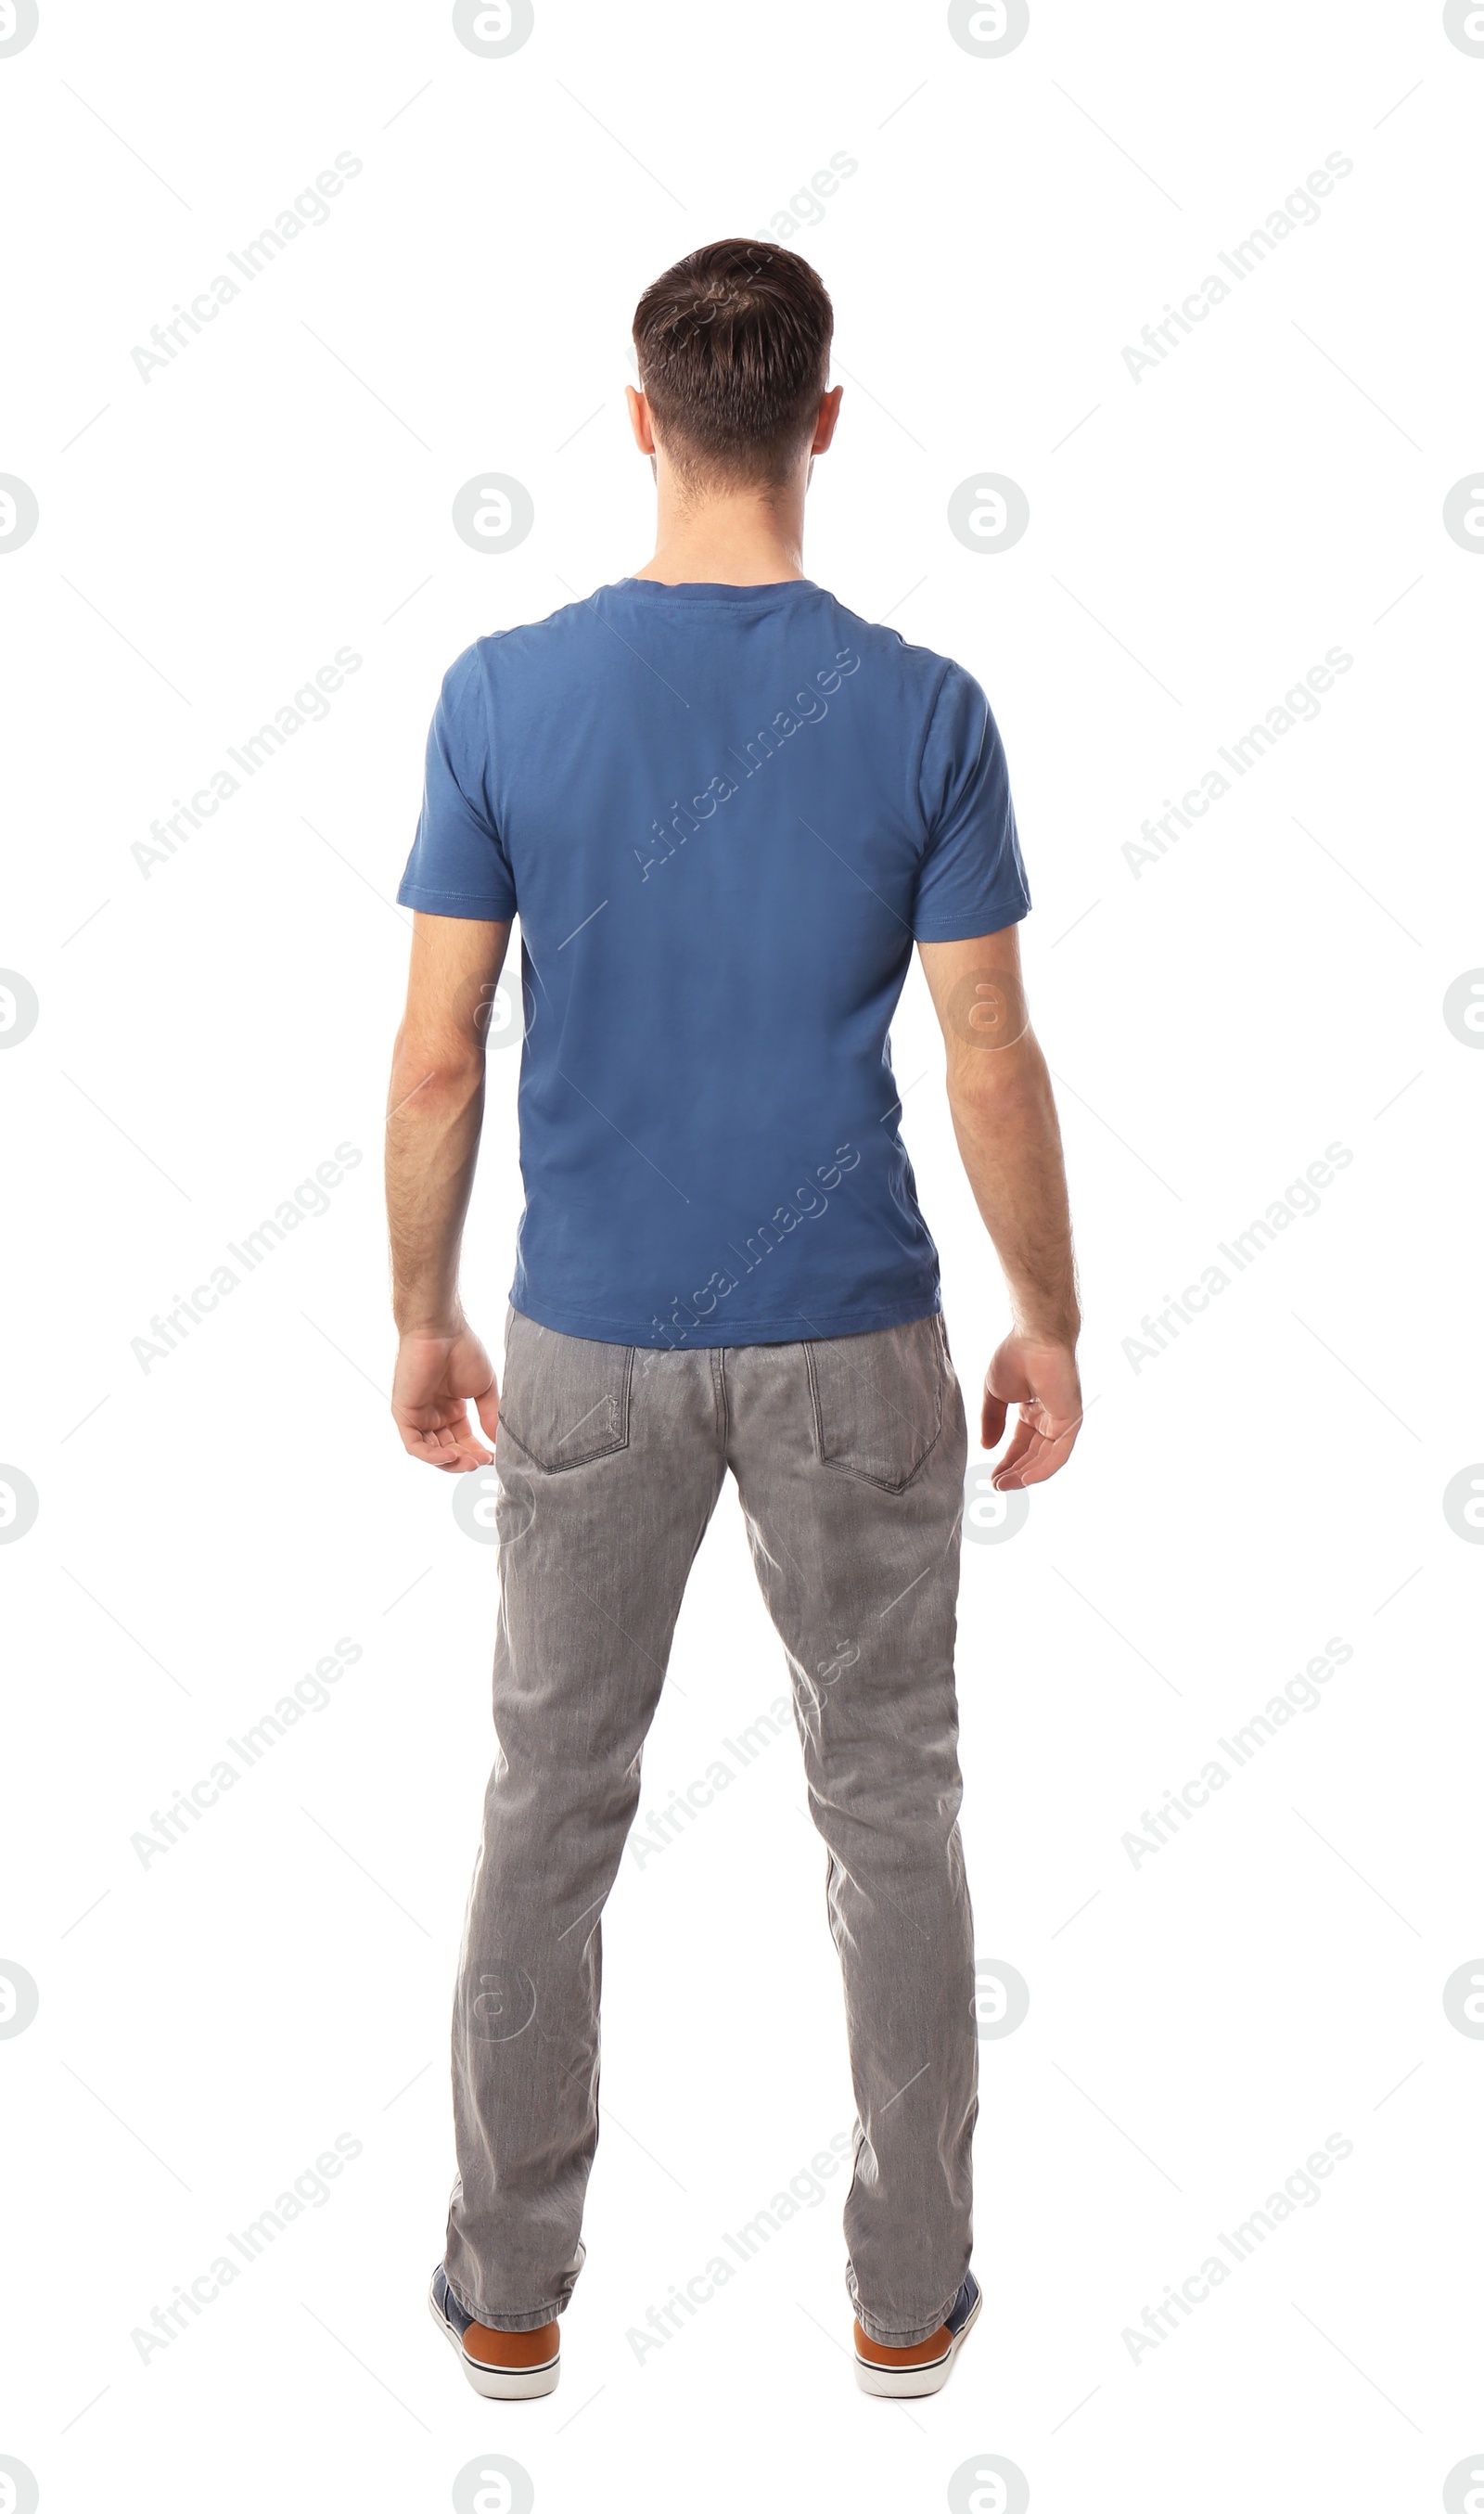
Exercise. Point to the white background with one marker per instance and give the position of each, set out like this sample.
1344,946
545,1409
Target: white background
1199,2024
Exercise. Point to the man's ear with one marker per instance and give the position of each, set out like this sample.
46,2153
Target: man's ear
824,425
640,420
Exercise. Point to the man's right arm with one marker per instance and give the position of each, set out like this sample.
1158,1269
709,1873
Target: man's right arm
436,1107
1005,1121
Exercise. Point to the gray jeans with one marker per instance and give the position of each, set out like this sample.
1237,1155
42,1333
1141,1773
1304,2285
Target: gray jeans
849,1456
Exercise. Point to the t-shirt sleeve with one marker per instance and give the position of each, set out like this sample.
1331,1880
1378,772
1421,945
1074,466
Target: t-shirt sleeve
458,866
972,879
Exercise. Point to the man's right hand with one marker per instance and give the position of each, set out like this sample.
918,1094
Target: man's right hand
1041,1379
435,1379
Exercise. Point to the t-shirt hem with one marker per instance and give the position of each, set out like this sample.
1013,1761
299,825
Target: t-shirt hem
454,903
713,1334
992,920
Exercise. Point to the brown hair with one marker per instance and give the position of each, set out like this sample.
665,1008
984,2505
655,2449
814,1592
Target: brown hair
733,344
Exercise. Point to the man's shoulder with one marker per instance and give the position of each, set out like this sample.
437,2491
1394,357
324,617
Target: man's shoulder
919,669
529,642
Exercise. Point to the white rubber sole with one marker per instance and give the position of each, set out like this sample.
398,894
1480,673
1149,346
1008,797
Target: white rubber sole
497,2382
914,2382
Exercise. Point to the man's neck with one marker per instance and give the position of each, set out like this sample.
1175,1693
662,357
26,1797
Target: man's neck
743,538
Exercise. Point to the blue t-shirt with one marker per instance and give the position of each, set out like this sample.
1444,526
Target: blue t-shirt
723,814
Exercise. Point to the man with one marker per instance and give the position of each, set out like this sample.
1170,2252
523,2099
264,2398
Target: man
724,808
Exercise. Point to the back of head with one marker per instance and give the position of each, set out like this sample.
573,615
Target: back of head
733,344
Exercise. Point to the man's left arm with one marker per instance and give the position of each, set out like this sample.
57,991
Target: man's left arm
435,1107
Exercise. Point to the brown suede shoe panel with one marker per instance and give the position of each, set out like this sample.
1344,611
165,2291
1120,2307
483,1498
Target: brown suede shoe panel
515,2351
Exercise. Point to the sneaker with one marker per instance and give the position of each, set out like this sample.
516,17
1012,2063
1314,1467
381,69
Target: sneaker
904,2374
502,2364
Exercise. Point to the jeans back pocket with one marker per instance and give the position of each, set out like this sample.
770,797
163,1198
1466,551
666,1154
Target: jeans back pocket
565,1401
879,1400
